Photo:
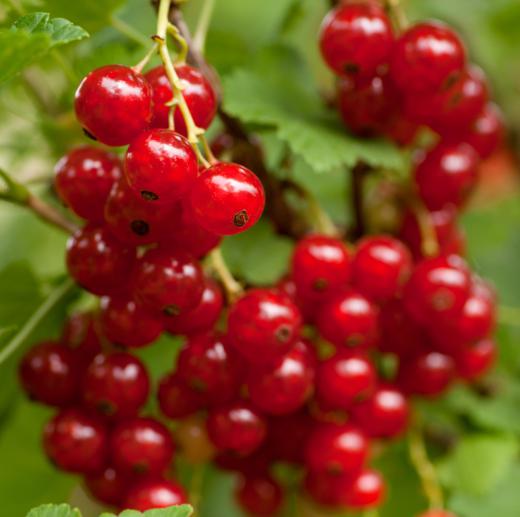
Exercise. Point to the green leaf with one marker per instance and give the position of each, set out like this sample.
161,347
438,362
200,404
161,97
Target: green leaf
54,510
184,510
494,455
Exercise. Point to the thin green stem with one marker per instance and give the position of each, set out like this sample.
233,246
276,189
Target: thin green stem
68,70
201,32
37,317
139,67
128,31
232,287
429,240
395,8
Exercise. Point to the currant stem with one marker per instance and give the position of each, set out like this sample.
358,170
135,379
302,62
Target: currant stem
207,150
232,287
127,30
199,38
429,242
395,8
181,42
139,67
357,177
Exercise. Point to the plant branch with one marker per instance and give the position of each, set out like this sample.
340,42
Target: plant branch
199,39
233,289
429,241
357,180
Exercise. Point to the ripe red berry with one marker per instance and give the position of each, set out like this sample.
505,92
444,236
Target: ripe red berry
207,365
474,360
349,320
345,378
321,266
126,323
97,261
83,180
326,489
141,446
114,104
168,281
236,427
447,175
263,325
76,441
49,373
161,166
366,490
384,414
203,317
154,493
108,486
227,199
336,449
284,386
197,91
356,39
116,385
380,267
177,399
80,334
259,495
427,57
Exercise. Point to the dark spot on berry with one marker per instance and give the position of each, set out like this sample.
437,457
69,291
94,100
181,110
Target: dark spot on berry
106,407
283,333
351,68
171,310
140,468
320,284
89,135
354,340
149,196
140,227
450,81
241,218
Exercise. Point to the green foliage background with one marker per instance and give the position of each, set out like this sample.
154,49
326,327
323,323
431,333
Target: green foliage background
266,54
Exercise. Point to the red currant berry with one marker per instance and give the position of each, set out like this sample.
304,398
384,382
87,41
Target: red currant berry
84,178
107,486
207,365
236,427
356,39
344,379
257,463
80,334
427,57
116,385
263,325
447,175
203,317
475,360
336,449
126,323
169,282
227,199
326,489
366,490
428,374
380,267
97,261
197,91
259,495
154,493
49,373
286,385
141,446
384,414
161,165
114,104
177,399
320,266
400,129
349,320
76,441
438,290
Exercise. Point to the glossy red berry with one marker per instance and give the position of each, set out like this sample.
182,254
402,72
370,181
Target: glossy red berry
116,385
161,166
284,386
97,261
380,267
208,365
49,373
349,319
83,180
108,486
259,495
356,39
344,379
141,446
475,360
166,281
76,441
236,427
366,490
114,104
427,57
203,317
321,266
336,449
326,489
263,325
80,334
384,414
446,175
197,91
227,199
154,493
177,399
126,323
